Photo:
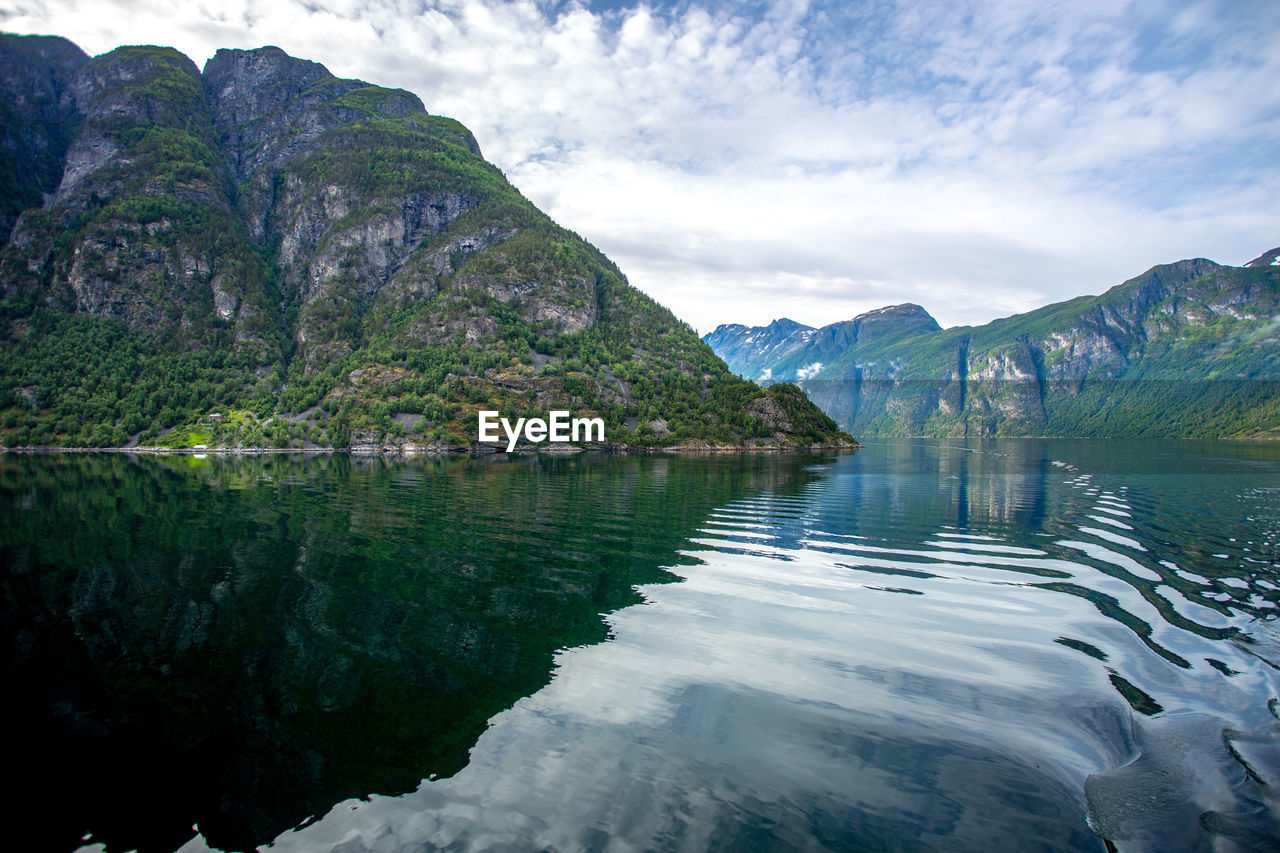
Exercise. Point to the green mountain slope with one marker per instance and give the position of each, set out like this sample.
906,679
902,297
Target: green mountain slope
261,253
1190,349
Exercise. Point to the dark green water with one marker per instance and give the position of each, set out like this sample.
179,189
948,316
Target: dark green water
919,646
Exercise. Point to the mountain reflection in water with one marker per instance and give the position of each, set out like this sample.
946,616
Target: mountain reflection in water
925,645
240,643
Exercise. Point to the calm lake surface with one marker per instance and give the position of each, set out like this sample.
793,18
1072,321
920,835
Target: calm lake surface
1028,645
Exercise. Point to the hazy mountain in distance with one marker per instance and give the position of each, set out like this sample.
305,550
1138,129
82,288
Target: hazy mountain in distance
1189,349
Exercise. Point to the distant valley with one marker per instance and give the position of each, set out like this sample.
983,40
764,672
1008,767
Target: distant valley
1186,350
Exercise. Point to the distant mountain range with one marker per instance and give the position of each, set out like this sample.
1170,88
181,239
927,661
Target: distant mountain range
1189,349
260,253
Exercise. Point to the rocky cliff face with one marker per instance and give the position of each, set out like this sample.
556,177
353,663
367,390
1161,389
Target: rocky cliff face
313,261
300,144
141,226
38,118
1189,349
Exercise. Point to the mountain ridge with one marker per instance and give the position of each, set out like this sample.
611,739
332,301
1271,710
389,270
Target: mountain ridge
261,253
1187,349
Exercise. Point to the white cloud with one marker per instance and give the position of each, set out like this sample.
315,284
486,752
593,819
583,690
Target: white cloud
809,370
820,160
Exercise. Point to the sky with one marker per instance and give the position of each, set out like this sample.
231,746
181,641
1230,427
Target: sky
743,162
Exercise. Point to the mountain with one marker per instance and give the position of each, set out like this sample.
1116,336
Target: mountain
1189,349
787,348
37,120
261,253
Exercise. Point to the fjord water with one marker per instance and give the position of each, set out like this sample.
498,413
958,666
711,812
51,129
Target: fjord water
922,645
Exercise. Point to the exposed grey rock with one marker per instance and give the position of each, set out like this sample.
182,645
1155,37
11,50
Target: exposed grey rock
38,119
265,105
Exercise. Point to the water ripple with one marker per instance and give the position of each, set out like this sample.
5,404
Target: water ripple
924,645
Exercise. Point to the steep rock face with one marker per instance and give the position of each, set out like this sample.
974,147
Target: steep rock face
264,253
337,250
268,106
1186,349
140,227
265,105
38,119
286,127
139,103
427,272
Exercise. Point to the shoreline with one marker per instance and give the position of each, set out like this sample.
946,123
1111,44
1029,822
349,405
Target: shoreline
432,450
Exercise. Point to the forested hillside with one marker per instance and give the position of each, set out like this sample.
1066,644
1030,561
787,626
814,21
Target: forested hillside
260,253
